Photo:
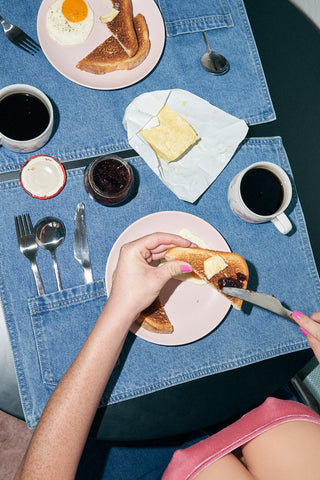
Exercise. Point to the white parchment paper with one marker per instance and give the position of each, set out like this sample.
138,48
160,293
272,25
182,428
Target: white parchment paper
219,132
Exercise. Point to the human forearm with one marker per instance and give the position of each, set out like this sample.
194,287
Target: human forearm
59,438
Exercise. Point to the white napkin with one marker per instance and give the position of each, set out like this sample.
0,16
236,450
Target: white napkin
219,132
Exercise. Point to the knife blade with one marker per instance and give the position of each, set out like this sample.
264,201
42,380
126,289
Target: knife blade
80,243
262,300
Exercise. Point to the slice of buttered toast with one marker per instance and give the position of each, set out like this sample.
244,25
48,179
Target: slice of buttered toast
219,269
110,56
122,28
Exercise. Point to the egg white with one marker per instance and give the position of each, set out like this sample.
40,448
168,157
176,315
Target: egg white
65,32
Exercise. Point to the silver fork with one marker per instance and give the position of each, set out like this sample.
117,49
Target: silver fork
28,246
19,37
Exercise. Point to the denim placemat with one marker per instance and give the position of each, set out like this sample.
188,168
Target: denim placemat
46,332
89,122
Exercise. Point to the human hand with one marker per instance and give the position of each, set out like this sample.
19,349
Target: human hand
136,281
310,327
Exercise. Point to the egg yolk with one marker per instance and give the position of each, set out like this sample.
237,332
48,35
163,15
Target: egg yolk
74,10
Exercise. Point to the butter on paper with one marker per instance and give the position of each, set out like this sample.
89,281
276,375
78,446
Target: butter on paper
220,134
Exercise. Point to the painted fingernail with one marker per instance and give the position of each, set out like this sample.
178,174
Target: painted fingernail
296,314
304,332
186,269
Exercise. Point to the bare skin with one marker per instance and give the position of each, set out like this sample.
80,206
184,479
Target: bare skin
288,451
311,328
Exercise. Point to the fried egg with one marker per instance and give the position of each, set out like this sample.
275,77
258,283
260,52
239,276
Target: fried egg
69,22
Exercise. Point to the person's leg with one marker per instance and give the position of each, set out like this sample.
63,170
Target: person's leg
226,468
290,450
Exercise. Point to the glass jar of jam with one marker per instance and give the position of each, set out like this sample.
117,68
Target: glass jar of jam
108,180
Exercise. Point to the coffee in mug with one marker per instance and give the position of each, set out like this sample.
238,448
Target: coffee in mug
26,118
261,193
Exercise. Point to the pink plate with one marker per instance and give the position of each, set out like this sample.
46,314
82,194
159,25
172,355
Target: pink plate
194,310
65,58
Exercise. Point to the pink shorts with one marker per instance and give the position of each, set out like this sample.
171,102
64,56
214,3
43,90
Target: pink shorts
189,462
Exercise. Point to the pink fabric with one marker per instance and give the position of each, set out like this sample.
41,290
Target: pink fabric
189,462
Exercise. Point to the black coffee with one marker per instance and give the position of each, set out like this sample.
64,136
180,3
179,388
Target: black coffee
23,116
261,191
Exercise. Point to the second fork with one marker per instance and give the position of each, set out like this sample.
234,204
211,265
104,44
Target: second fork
19,37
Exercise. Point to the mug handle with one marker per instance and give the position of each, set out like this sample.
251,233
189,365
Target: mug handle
282,223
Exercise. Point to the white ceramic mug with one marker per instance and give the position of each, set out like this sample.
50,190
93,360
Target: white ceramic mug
239,208
33,144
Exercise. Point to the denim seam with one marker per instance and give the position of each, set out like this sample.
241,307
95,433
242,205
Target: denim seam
257,62
35,310
202,373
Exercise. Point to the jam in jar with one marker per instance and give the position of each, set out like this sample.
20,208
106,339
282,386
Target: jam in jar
108,180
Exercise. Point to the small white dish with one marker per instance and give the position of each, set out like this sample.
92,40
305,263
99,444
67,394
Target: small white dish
42,176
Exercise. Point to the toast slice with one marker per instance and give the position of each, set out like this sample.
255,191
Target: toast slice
155,319
110,56
227,269
122,27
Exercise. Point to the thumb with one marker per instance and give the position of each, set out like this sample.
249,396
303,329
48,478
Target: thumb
174,267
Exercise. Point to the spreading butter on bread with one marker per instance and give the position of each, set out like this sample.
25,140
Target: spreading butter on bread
219,269
173,137
110,56
155,319
120,23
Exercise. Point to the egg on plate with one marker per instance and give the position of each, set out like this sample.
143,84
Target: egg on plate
69,22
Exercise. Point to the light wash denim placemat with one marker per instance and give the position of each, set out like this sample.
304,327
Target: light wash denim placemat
89,122
46,332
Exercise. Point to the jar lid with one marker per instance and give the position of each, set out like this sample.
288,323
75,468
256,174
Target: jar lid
42,176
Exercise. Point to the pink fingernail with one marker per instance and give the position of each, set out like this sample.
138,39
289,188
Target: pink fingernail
194,245
296,314
304,332
186,269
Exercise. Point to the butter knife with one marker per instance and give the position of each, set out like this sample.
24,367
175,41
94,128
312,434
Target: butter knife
262,300
80,243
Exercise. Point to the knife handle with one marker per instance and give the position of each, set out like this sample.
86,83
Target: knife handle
88,277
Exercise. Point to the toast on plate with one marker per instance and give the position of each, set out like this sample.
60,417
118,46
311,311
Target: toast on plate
110,56
219,269
154,318
122,27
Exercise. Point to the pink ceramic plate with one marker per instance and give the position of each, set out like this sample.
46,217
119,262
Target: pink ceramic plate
65,58
194,310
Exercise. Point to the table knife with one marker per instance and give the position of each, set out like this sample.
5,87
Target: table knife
80,243
262,300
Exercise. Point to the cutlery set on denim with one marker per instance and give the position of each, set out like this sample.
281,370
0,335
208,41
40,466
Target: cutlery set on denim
49,233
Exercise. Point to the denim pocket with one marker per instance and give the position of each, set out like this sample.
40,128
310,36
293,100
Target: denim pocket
61,323
188,17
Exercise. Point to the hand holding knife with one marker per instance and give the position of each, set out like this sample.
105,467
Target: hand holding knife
80,243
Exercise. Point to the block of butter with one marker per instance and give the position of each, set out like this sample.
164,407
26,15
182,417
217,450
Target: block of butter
173,137
109,16
214,265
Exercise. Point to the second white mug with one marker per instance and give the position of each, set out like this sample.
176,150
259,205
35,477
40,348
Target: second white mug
261,193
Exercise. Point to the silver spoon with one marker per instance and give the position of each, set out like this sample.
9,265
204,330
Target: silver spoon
213,62
50,233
